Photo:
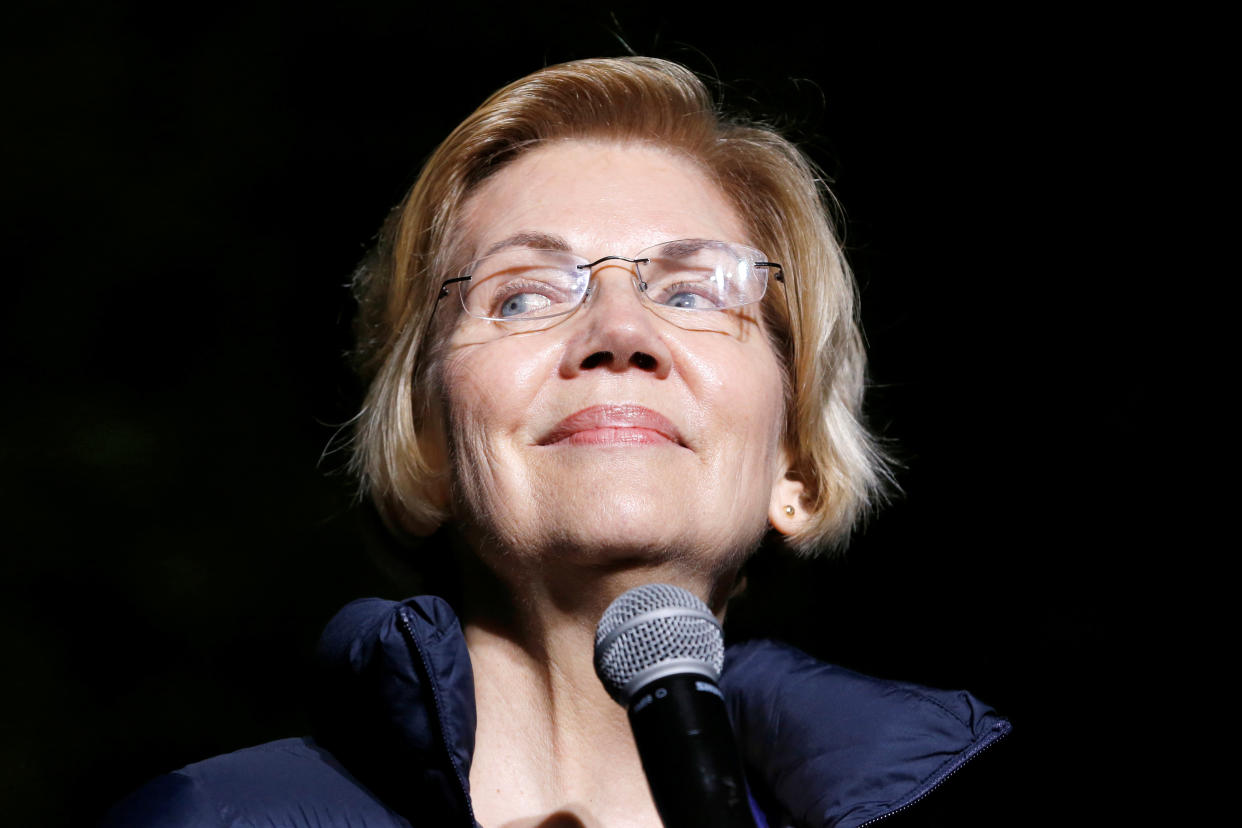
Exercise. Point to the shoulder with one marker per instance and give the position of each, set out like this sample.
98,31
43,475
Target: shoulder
838,748
292,782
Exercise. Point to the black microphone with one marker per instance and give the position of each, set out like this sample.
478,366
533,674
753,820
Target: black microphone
659,652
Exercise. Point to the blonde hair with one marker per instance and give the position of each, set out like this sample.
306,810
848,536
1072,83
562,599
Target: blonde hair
399,451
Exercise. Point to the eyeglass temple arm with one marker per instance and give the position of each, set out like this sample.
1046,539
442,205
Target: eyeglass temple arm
793,320
444,287
780,271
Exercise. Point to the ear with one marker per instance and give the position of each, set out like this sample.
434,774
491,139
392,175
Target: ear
786,511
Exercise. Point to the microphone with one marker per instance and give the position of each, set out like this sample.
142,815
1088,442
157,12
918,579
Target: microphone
659,652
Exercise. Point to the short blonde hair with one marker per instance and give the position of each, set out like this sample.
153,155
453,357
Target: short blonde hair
399,455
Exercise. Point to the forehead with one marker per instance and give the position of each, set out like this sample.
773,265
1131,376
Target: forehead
601,198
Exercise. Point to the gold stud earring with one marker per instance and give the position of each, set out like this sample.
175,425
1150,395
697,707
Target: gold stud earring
789,510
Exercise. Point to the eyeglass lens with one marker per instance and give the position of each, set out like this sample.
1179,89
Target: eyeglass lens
687,276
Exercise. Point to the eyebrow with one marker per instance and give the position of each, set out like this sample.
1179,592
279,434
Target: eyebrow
684,247
537,241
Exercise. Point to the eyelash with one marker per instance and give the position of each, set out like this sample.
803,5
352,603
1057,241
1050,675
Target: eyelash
516,288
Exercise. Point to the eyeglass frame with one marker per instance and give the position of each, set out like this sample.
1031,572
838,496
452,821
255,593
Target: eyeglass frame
779,275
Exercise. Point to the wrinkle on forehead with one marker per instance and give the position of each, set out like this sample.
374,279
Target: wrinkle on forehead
470,231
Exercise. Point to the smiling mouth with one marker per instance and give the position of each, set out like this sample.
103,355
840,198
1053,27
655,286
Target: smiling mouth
613,425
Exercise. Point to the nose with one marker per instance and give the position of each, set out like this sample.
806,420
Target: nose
616,332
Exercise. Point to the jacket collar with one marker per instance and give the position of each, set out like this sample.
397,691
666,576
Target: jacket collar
822,745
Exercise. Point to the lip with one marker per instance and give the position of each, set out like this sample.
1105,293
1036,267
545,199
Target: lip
613,425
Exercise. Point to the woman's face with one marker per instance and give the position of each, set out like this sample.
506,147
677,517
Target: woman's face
613,435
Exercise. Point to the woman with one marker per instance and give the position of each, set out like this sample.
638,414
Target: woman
610,340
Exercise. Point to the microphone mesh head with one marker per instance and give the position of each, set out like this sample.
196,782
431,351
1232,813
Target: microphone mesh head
655,624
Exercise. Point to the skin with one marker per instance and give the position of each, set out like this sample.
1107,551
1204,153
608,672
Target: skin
610,450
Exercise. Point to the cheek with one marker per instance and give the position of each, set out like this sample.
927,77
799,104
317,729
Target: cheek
743,379
764,390
496,379
740,396
487,387
760,416
490,390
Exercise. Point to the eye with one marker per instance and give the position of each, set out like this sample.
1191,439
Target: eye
686,291
502,288
522,304
688,300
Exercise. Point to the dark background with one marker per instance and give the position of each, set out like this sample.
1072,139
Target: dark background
188,189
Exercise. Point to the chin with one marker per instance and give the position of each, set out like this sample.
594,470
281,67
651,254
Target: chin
615,511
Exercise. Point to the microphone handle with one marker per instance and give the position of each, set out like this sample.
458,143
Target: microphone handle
686,745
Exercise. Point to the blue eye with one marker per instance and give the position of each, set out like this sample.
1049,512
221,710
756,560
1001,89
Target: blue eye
687,300
521,304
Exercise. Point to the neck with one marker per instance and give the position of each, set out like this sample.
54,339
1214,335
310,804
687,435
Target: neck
549,739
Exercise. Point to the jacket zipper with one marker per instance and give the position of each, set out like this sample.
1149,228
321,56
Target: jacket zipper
998,732
407,628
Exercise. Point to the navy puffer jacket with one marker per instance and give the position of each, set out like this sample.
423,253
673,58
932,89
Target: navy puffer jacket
823,746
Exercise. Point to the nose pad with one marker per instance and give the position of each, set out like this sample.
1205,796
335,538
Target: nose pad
618,333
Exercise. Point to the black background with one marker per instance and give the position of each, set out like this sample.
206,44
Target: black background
188,188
